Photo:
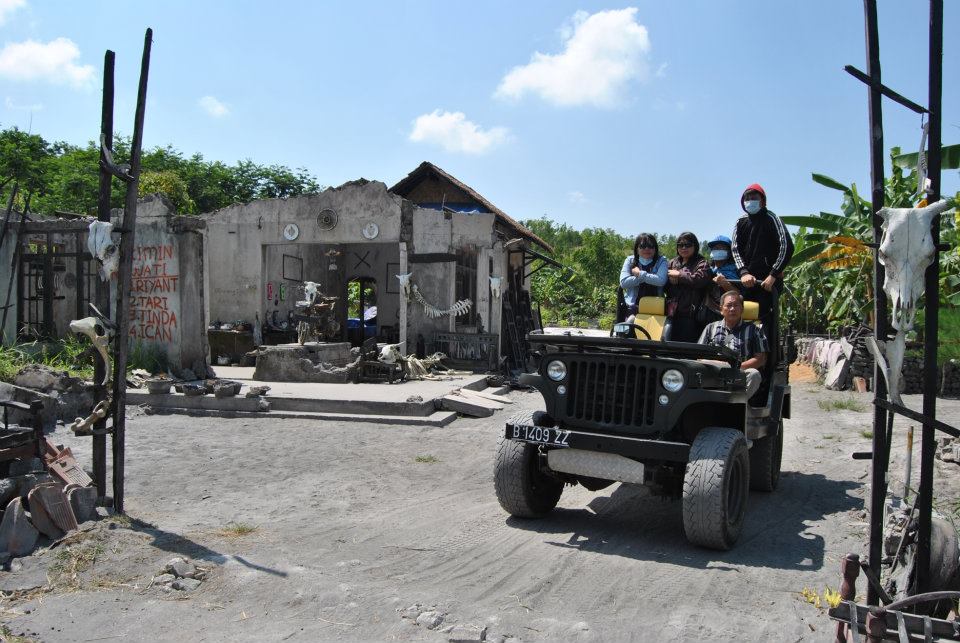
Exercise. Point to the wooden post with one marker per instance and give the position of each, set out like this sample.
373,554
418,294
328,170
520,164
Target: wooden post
928,439
102,295
127,241
878,483
402,338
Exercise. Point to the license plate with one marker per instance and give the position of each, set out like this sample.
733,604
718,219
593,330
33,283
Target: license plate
538,434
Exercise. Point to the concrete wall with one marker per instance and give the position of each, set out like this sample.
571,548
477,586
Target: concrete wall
166,293
238,242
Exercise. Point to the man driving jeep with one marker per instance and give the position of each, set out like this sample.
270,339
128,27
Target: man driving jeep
741,337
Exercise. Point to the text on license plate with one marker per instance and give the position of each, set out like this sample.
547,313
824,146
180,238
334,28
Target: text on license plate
541,434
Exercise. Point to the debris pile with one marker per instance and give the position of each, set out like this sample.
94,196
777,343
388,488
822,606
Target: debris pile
948,450
435,618
43,499
179,575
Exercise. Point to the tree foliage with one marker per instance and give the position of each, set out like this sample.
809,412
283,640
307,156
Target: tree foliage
65,177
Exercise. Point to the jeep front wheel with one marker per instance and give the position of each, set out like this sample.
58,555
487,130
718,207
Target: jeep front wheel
716,488
522,488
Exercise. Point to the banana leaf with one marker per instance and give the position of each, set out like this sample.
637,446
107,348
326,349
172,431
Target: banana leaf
826,181
810,251
949,158
812,221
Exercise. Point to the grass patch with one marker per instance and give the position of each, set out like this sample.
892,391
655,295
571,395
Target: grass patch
68,355
829,437
9,637
846,404
237,529
71,562
427,459
867,434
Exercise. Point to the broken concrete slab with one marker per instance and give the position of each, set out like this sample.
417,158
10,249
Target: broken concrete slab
40,517
56,505
430,620
181,568
185,584
18,536
487,395
473,406
83,501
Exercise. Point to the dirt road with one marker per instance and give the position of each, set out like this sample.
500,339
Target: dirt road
351,530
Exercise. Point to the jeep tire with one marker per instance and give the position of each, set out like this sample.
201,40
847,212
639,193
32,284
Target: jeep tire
523,489
716,488
765,457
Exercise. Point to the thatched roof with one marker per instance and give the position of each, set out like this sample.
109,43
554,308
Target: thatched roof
428,170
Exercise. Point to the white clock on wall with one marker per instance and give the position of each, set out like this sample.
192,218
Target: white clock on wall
371,230
291,231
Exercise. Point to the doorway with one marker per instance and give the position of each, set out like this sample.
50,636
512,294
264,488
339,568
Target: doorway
361,310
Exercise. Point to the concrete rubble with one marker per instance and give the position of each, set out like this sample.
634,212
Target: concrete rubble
180,575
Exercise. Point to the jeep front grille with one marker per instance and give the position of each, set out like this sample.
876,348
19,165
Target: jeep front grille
612,394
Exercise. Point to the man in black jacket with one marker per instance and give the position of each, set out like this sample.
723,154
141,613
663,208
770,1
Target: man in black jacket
762,248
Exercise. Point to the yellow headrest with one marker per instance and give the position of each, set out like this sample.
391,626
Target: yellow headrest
650,306
751,311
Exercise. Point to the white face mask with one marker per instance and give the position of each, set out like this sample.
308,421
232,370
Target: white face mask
719,255
752,206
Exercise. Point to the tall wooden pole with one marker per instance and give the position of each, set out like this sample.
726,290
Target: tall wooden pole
127,241
102,296
878,487
931,305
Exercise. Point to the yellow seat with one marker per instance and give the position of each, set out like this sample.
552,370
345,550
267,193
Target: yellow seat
751,311
650,317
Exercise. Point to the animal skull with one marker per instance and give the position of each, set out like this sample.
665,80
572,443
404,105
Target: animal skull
310,289
92,327
495,286
906,250
405,285
101,246
390,354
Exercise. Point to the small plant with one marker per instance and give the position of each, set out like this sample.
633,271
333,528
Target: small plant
846,404
427,459
237,529
867,433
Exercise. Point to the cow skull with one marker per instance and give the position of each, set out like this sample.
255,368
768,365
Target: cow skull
310,289
390,354
906,250
103,249
91,327
405,285
495,286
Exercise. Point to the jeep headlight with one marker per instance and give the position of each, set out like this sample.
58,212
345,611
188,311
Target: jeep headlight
672,380
556,370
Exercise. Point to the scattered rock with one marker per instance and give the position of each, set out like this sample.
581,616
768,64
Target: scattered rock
415,398
163,579
83,501
18,536
263,405
181,568
256,391
411,612
468,634
185,584
430,620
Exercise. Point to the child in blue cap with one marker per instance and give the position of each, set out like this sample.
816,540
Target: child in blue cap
723,268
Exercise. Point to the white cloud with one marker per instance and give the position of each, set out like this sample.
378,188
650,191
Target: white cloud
661,70
601,54
212,106
454,133
53,61
9,6
8,102
576,197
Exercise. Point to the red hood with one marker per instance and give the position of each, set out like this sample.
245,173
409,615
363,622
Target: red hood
758,188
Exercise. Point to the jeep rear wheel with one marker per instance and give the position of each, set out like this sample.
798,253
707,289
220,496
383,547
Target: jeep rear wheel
523,489
765,457
716,488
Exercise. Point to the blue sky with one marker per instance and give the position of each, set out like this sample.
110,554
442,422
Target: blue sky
649,116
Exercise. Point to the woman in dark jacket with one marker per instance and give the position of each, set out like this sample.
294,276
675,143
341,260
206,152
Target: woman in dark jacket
688,277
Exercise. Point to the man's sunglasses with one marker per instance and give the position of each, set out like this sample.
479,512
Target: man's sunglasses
684,244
